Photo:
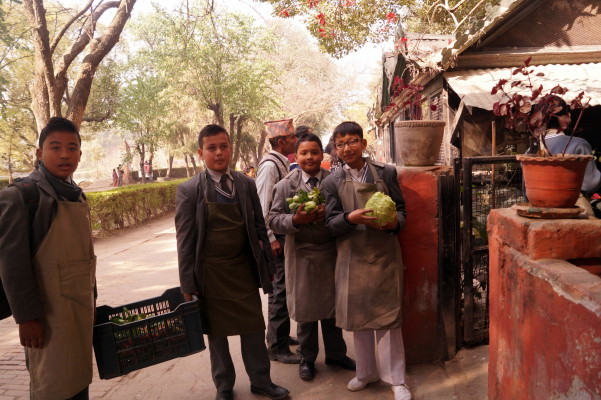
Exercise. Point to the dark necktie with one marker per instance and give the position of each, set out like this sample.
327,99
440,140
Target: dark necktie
223,184
312,182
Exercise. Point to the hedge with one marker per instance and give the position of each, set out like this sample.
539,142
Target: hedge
131,205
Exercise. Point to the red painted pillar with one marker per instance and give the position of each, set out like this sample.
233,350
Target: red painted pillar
420,247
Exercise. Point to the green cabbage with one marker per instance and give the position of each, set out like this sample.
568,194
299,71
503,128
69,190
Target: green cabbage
384,208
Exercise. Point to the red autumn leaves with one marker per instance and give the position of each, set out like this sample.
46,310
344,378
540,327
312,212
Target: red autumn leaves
413,97
391,17
517,107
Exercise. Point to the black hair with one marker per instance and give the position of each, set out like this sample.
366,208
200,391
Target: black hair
564,109
58,124
309,137
303,130
210,130
348,128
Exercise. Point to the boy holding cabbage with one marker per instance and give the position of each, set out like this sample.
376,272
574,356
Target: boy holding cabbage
310,254
369,267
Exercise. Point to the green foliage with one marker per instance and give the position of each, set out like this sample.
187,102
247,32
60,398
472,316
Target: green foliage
131,205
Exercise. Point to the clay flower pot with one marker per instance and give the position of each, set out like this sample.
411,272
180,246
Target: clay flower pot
555,181
418,141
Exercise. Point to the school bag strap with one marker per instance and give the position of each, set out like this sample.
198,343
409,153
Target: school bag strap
31,198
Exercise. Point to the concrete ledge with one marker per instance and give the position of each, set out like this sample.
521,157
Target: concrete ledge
540,238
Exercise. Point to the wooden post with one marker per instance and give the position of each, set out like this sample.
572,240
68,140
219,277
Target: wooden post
493,153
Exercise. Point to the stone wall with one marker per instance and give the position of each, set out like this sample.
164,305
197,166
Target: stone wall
545,312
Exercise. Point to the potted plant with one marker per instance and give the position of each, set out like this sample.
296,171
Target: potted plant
551,180
417,141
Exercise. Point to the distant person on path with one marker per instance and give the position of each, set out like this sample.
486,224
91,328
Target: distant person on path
221,235
335,162
121,172
272,169
310,254
47,267
369,266
115,178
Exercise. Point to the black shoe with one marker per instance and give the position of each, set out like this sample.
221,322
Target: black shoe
285,356
272,391
306,370
225,395
345,362
292,341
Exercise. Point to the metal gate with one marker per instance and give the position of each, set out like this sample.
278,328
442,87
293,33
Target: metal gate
485,183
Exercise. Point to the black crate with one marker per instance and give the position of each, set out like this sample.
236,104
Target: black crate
171,329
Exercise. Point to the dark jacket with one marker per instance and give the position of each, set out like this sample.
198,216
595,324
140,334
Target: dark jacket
335,214
16,256
190,224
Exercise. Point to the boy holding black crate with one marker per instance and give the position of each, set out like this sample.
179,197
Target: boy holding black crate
221,237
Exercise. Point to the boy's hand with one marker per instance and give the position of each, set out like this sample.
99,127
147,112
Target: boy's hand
321,213
190,296
32,334
276,249
359,217
301,217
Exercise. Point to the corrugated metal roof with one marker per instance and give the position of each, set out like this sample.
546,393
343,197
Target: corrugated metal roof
474,86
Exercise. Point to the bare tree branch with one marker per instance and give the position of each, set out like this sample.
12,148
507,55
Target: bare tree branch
99,49
59,36
468,15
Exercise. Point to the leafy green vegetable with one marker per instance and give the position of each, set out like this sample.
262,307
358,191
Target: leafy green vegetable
127,316
311,200
384,208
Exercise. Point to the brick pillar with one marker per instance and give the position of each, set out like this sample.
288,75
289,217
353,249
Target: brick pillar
545,312
420,247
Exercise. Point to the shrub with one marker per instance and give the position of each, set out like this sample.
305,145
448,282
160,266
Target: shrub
131,205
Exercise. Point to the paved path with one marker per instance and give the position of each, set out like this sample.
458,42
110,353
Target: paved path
140,263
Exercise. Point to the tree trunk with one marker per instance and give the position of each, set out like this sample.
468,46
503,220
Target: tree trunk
194,167
233,141
217,113
48,90
236,156
10,161
261,145
170,167
141,153
187,166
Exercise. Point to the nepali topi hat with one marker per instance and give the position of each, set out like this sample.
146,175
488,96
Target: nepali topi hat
282,127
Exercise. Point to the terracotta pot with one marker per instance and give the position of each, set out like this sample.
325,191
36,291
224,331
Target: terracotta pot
418,142
555,181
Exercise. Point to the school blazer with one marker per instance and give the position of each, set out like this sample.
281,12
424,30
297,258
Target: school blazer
16,256
191,224
335,213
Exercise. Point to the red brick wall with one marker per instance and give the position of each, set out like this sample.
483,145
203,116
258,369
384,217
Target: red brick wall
545,314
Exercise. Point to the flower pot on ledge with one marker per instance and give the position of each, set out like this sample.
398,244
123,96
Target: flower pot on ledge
553,181
418,142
